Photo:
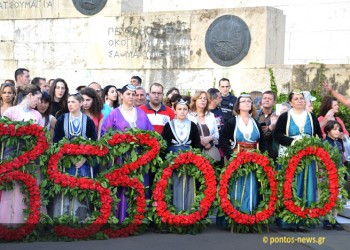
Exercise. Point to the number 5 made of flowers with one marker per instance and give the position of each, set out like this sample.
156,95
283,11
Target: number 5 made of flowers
81,183
9,171
119,177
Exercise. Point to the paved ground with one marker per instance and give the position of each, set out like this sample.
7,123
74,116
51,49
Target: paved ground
213,238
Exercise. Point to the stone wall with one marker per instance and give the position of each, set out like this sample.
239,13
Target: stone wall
316,30
109,47
52,39
306,77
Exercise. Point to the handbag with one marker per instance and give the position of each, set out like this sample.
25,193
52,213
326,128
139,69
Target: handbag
213,151
346,142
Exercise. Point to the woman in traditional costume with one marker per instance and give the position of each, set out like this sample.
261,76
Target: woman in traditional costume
71,125
181,134
242,132
124,117
11,202
290,127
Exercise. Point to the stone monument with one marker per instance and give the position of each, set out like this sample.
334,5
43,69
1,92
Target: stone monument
109,41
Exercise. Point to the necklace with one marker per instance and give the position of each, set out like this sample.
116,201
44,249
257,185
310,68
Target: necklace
182,130
245,121
299,120
130,119
245,128
75,125
127,109
180,126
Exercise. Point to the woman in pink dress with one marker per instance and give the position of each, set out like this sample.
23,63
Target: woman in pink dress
11,203
92,106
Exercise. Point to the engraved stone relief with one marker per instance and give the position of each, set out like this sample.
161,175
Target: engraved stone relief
227,40
89,7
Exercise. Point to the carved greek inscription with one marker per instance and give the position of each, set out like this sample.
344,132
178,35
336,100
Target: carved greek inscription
33,4
169,41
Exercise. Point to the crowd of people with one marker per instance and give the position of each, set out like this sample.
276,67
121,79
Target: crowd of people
214,121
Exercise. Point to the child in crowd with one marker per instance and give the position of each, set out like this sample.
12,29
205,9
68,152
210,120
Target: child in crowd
333,130
44,107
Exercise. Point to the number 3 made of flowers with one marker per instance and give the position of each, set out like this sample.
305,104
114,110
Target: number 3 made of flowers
331,168
119,177
9,172
225,203
209,194
81,183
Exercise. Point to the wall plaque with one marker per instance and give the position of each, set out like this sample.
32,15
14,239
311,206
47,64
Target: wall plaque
227,40
89,7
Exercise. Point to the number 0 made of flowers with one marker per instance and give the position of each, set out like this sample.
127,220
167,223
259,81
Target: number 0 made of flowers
209,194
9,172
81,183
331,168
225,203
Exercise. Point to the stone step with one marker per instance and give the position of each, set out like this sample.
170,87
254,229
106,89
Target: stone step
343,217
345,222
346,210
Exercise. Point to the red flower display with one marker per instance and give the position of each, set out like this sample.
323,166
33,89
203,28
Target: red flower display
142,160
7,174
288,202
260,216
12,171
119,177
82,183
23,159
125,181
210,192
34,206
